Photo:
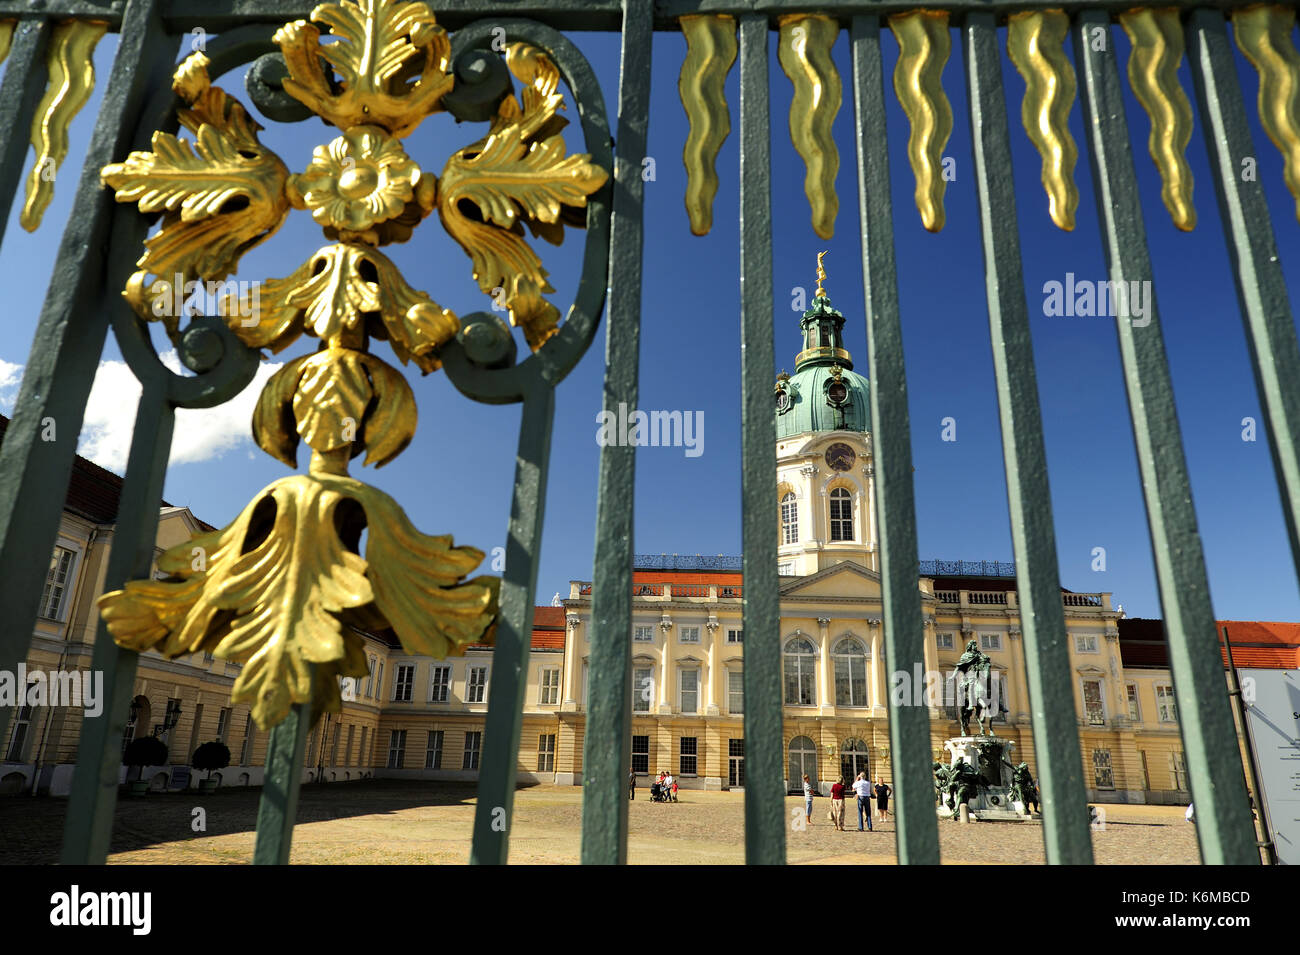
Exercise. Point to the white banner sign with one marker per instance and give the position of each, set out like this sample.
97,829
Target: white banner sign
1273,707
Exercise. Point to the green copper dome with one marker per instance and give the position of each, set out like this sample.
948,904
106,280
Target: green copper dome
824,393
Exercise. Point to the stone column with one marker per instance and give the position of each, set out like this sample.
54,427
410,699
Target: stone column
879,682
868,475
572,661
931,657
711,673
665,666
1018,702
825,696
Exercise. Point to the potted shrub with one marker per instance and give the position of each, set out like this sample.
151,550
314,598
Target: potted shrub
210,756
142,752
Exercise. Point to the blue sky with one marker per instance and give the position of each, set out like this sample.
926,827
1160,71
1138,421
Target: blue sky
456,476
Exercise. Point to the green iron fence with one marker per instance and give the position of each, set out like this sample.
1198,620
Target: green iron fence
101,242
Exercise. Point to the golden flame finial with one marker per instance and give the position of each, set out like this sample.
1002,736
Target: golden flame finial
821,275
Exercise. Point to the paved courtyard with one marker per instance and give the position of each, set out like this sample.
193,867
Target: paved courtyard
388,821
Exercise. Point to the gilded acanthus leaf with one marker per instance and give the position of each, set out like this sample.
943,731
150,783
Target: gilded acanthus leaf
924,45
335,398
380,46
518,173
1263,33
219,196
710,53
332,297
282,583
805,54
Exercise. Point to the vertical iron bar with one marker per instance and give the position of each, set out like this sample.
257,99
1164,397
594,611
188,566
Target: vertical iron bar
1261,288
765,831
606,759
909,721
88,828
69,338
1042,616
278,807
1252,771
1227,835
498,770
20,93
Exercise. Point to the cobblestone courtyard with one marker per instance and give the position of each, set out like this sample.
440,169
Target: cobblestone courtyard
413,822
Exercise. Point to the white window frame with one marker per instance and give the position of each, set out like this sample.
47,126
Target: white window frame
1134,700
370,675
1101,698
246,749
476,750
681,754
940,644
544,687
865,657
645,753
1103,761
740,675
789,518
379,682
785,568
434,670
1088,645
1166,699
430,749
991,641
832,496
223,722
694,671
546,747
811,666
639,703
736,636
469,683
69,581
394,750
408,685
643,633
694,635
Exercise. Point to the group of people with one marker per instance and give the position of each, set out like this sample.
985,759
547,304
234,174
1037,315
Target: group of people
663,789
863,791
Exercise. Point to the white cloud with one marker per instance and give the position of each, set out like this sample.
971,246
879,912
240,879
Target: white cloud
200,434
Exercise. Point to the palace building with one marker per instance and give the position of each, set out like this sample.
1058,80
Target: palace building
417,717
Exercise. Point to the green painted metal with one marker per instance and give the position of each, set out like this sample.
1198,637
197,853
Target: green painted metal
765,825
70,335
20,93
1261,287
1223,821
278,807
909,719
606,756
1042,616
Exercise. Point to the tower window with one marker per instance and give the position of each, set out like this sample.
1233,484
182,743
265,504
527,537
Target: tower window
789,519
841,515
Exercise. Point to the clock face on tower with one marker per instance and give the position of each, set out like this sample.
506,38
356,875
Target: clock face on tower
840,457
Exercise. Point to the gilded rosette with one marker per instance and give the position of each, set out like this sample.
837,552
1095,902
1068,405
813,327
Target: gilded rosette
1035,42
804,49
280,588
710,53
1264,34
924,47
71,66
1157,38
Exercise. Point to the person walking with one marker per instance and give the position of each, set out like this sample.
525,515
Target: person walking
883,792
837,803
807,797
670,787
862,788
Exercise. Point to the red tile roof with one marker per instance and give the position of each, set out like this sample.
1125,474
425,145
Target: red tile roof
687,577
1266,645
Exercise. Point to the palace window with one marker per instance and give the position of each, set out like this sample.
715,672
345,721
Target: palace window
379,682
643,634
800,686
689,634
689,760
841,515
433,751
546,753
943,641
439,684
1178,770
641,754
476,685
1102,774
735,692
223,723
690,682
548,690
1085,643
1166,709
473,741
246,751
735,636
850,673
785,568
370,674
56,583
1134,713
404,683
643,689
396,749
990,641
22,727
1092,706
789,519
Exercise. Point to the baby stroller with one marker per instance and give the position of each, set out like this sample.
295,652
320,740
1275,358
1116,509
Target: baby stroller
658,793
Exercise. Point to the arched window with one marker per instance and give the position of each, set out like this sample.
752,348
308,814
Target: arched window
853,759
800,685
850,672
803,761
789,519
841,515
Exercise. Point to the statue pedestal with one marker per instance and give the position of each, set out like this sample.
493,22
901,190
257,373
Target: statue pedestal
990,756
